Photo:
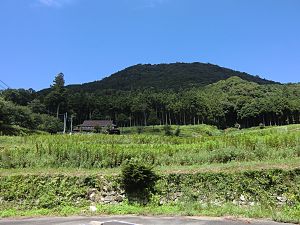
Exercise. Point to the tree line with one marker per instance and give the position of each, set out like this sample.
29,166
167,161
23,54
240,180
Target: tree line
227,103
20,108
13,117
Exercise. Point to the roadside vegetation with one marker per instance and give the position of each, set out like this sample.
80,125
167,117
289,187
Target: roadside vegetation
272,193
287,214
210,172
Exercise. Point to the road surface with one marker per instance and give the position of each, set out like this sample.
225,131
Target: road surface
134,220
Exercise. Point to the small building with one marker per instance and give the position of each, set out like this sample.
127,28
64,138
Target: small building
93,125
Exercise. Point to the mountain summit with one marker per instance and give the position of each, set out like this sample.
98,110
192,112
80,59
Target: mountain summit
166,76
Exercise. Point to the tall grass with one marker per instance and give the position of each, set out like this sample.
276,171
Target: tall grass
105,151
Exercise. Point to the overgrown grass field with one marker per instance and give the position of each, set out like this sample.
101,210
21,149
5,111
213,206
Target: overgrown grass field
198,150
196,146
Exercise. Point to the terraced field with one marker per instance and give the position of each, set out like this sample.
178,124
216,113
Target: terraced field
197,147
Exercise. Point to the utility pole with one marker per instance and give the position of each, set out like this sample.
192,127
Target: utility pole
71,124
65,122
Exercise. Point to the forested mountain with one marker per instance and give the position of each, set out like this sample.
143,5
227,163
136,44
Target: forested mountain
166,76
242,100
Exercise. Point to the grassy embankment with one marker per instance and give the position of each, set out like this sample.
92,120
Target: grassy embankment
198,149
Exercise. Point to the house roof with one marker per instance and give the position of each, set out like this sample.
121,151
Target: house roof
95,123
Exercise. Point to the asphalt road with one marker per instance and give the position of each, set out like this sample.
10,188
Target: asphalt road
135,220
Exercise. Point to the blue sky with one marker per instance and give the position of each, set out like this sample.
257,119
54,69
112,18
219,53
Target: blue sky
90,39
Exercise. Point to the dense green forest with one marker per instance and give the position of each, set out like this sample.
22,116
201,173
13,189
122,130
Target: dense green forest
21,113
17,119
241,100
174,76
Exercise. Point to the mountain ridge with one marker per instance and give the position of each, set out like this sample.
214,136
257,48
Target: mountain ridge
165,76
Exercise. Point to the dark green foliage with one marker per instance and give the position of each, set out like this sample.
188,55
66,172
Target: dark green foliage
122,119
262,126
152,119
262,187
46,191
19,96
21,108
56,99
259,187
36,106
48,123
140,130
58,82
166,76
13,116
168,130
223,104
167,94
138,180
177,131
98,129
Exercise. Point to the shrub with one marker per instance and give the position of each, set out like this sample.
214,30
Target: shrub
177,132
168,130
140,130
138,181
98,129
261,125
48,123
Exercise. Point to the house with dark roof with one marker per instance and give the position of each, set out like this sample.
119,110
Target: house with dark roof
93,125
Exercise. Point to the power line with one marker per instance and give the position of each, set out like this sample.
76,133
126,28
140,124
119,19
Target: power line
4,84
2,87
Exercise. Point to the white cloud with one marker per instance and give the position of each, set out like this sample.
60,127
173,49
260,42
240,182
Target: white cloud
54,3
